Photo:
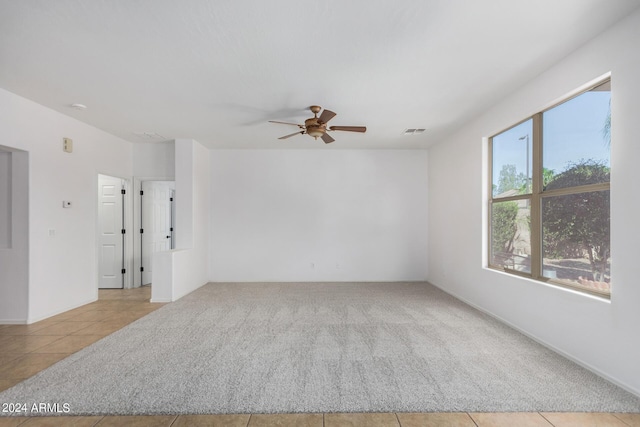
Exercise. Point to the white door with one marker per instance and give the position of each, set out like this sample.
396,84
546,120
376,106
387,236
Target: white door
110,237
156,222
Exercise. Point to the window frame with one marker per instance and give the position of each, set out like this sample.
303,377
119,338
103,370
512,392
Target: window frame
538,193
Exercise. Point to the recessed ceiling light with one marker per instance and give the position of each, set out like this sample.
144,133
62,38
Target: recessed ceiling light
79,106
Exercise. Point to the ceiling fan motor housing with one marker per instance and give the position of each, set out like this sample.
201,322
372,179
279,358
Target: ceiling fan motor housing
314,128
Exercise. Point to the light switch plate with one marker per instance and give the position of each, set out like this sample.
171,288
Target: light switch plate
67,145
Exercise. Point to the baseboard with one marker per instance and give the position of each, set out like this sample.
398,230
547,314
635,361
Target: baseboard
540,341
217,282
56,312
160,300
13,321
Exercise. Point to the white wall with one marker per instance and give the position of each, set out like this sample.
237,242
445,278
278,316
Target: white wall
5,199
314,215
601,335
154,159
62,268
14,253
186,268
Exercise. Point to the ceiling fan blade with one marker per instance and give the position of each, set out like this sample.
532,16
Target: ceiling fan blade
286,123
350,128
293,134
326,116
326,138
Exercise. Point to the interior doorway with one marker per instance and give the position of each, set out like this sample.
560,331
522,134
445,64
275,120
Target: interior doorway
14,236
157,231
111,232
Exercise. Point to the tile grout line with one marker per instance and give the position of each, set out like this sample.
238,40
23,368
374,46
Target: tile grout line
471,418
618,418
545,418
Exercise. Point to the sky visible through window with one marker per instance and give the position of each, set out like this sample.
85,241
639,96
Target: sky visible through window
572,131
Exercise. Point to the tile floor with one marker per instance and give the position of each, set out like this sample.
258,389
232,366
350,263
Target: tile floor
27,349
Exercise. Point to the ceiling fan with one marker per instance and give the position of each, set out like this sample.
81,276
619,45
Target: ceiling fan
317,126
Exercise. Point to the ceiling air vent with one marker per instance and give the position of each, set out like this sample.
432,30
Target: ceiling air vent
148,135
413,131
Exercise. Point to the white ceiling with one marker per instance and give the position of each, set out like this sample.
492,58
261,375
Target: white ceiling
216,71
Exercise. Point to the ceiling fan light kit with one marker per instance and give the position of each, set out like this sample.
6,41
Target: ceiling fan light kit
317,126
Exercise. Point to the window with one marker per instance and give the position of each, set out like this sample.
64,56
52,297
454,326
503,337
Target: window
549,198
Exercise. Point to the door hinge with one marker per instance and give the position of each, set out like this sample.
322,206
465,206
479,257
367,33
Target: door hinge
124,270
171,229
141,230
171,199
141,193
141,268
124,231
123,191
